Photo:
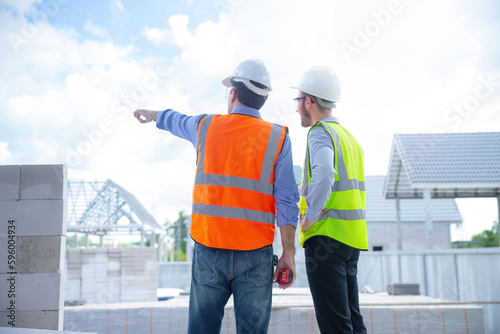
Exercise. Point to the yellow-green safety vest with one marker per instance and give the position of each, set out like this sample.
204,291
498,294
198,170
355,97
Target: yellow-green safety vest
345,220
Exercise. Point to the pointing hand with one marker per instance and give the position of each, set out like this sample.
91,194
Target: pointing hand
146,116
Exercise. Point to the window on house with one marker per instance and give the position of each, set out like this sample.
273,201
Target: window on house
378,248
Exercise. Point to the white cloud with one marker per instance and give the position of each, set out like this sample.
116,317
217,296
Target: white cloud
155,35
182,37
20,6
206,51
5,154
118,5
73,96
95,30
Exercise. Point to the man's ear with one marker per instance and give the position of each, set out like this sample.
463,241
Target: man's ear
308,102
234,95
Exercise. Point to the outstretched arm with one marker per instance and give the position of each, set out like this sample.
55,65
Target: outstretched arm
180,125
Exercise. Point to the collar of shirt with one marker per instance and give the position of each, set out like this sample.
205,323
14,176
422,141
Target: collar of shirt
242,110
331,119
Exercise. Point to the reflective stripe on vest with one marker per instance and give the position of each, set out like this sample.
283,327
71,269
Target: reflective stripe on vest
233,203
345,219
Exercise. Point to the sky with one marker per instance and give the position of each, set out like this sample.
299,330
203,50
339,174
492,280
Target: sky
72,73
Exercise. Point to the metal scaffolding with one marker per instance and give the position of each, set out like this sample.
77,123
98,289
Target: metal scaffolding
103,208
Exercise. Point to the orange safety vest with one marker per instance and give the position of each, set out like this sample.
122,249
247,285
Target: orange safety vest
233,202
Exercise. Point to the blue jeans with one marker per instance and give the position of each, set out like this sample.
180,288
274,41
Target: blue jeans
332,269
218,273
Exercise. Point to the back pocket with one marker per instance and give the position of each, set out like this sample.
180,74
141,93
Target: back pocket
260,266
204,259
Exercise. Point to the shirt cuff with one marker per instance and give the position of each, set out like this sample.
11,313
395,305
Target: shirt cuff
160,119
281,220
311,215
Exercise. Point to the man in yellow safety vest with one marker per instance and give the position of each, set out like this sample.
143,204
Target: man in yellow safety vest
332,205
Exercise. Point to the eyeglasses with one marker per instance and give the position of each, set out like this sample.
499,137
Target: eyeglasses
228,91
297,99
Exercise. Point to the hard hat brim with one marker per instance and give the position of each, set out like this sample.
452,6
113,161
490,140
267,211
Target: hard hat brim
227,82
293,87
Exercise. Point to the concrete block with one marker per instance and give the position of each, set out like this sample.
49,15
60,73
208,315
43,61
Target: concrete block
74,272
73,289
418,319
100,269
74,255
113,275
32,291
18,330
7,265
73,263
97,320
114,290
113,265
43,182
48,320
9,182
41,254
34,217
94,256
464,319
384,320
9,289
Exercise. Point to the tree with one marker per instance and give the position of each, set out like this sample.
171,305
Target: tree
487,238
70,241
178,231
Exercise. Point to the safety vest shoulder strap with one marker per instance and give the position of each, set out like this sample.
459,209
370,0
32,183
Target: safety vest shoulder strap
265,183
342,180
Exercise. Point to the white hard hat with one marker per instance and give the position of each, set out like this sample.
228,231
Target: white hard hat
251,69
321,82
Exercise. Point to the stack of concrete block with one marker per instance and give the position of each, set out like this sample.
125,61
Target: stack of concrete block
291,314
32,242
109,275
139,272
7,330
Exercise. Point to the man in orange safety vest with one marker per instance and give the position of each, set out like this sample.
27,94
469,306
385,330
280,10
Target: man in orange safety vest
244,186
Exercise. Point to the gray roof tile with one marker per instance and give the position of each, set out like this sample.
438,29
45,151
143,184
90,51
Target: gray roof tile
451,157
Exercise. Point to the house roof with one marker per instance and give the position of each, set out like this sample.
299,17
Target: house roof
451,165
380,209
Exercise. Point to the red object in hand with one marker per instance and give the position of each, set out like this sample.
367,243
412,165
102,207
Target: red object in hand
284,276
